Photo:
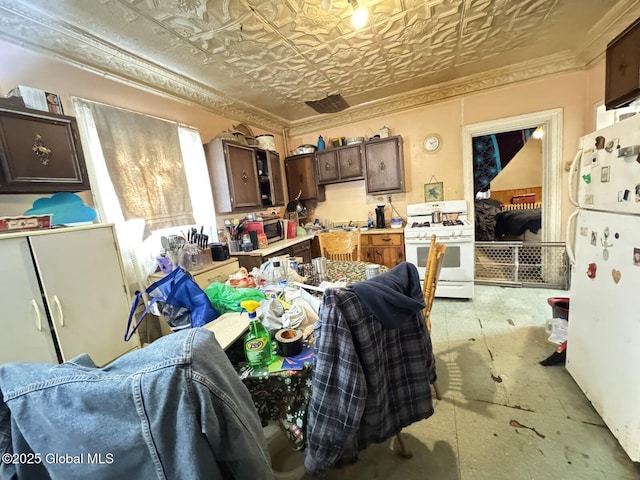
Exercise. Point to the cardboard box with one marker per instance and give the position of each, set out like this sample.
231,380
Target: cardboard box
38,99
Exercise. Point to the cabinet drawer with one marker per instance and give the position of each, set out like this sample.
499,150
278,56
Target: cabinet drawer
386,240
220,274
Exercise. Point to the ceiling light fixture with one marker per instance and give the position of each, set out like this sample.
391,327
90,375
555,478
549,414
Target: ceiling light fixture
360,15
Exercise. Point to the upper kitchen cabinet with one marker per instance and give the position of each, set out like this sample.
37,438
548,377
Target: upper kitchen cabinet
622,79
384,165
342,164
271,180
40,152
243,177
302,179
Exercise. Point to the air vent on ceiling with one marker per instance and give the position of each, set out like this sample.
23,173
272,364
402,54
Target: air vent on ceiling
329,104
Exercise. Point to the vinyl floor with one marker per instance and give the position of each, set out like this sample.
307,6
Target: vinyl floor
502,416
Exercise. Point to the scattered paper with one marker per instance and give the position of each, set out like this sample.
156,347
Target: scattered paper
559,330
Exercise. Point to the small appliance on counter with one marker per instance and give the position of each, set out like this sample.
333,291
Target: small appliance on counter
380,223
219,251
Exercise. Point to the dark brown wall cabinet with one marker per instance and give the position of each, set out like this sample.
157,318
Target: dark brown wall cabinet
40,152
622,84
384,165
343,164
302,178
243,178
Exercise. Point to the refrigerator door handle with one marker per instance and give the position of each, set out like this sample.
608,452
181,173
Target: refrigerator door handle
570,248
572,175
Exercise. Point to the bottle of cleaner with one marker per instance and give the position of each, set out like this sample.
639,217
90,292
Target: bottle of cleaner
257,343
321,144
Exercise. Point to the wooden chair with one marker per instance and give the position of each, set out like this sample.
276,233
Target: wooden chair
340,245
431,274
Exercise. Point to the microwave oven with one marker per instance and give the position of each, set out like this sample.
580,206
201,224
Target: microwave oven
273,228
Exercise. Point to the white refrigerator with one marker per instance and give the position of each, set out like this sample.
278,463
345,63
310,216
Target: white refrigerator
603,243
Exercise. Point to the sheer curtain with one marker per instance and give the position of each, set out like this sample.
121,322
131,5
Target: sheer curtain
138,237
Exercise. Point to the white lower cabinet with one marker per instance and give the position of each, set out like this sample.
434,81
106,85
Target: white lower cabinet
63,293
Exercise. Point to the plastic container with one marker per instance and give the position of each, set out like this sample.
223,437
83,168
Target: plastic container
257,343
396,222
559,307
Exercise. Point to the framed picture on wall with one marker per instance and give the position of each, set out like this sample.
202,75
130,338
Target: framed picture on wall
433,192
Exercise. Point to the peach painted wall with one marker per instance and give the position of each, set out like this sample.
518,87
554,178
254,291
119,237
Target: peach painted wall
524,170
19,66
574,92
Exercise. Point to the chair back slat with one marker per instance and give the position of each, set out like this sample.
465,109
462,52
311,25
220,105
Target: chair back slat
340,245
432,272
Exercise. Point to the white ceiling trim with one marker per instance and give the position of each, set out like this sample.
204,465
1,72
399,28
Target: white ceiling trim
26,26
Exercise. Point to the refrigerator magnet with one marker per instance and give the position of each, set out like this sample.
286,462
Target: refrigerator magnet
604,174
616,274
636,257
591,270
626,194
600,142
610,145
637,193
594,238
587,178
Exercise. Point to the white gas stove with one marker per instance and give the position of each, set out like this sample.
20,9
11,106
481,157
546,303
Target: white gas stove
455,231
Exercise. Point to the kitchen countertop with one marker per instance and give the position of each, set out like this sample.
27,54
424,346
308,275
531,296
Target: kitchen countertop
274,247
373,231
211,266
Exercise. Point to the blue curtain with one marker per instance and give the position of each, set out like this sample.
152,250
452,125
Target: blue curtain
492,153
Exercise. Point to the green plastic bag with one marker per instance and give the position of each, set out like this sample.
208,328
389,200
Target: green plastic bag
227,299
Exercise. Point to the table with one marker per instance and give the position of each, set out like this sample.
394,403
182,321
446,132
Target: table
342,271
283,396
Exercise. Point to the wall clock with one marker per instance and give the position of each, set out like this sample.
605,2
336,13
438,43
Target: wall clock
432,143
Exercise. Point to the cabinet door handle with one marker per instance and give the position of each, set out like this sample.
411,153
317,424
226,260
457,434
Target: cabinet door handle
386,239
244,177
59,307
326,166
213,279
38,318
349,162
382,166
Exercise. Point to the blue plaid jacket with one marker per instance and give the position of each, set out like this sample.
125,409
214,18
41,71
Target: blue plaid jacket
368,381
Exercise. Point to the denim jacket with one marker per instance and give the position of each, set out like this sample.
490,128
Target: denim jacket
175,409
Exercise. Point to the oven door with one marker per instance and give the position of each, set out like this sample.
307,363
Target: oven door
458,262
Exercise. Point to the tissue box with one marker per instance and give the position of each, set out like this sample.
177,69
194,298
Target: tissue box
38,99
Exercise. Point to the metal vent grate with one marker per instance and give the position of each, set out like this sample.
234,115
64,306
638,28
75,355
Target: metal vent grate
522,264
329,104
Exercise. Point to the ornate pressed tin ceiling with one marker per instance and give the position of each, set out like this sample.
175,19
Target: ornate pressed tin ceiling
259,61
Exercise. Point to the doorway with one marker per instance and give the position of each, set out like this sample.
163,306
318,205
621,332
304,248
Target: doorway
551,122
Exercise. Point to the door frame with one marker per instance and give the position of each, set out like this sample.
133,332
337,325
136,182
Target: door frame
551,121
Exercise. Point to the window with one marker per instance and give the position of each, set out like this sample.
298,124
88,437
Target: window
148,176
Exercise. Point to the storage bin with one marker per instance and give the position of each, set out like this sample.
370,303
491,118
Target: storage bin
559,307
